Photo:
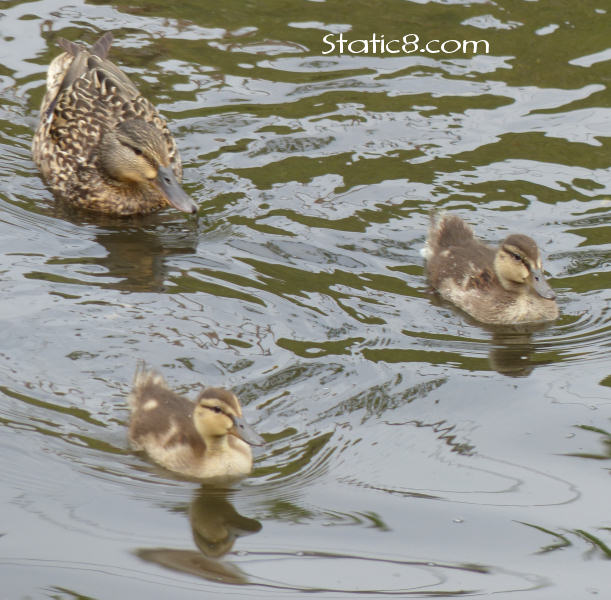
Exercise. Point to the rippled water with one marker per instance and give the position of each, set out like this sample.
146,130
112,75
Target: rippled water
411,451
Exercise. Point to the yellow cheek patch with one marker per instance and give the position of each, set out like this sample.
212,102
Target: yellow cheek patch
525,273
150,172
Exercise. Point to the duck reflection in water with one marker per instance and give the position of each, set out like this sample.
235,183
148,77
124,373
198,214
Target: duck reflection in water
514,354
216,526
512,350
209,440
137,259
137,255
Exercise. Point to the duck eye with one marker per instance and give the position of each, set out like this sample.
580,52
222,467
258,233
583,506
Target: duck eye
217,410
515,256
137,151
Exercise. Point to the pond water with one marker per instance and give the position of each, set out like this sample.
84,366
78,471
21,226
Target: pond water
411,452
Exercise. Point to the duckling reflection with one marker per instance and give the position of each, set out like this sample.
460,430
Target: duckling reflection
513,354
512,350
502,286
216,526
206,439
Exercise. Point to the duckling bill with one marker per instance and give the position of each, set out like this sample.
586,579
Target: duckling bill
498,286
205,439
100,145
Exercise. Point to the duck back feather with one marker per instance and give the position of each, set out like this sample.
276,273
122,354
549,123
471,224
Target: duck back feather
87,97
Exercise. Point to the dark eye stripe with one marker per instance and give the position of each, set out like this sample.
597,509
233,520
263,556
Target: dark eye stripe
515,256
134,149
216,409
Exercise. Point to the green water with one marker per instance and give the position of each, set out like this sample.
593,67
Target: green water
411,452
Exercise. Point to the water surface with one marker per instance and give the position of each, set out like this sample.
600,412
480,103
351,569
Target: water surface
411,451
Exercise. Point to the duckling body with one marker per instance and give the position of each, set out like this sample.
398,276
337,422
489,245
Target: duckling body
206,439
100,145
498,286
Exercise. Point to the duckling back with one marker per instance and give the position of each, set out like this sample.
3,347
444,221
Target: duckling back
448,231
161,423
456,258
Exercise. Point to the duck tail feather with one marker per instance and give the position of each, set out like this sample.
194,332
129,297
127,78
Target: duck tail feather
102,46
448,230
99,48
70,47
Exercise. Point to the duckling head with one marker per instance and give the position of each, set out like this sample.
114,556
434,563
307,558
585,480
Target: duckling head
135,152
218,414
518,266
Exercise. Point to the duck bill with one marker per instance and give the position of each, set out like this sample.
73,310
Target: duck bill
245,432
173,192
541,286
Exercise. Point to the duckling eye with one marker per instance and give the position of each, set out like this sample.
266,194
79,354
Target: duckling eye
515,256
217,410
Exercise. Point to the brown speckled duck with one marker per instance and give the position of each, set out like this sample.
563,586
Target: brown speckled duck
498,286
100,145
206,439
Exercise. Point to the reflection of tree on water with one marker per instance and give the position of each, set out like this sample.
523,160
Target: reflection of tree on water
216,526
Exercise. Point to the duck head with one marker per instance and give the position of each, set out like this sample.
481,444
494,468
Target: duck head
518,266
218,414
135,153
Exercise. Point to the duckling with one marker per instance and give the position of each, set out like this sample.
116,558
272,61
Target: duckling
100,145
205,439
501,286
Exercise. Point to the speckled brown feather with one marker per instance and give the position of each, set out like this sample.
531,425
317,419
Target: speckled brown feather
87,95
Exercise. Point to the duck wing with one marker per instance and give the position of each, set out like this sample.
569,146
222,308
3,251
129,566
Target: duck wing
468,266
80,64
94,95
160,414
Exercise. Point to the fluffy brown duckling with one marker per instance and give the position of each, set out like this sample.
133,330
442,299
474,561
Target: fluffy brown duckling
100,145
500,286
205,439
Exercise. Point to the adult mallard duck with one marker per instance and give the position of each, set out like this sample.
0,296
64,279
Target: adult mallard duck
502,286
205,439
100,145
